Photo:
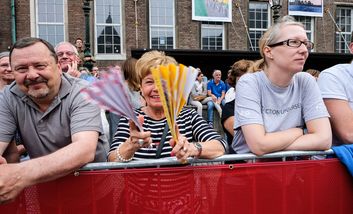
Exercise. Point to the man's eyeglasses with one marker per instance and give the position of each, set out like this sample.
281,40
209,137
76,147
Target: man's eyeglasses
68,53
294,43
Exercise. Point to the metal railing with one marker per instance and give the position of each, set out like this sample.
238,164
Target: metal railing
172,161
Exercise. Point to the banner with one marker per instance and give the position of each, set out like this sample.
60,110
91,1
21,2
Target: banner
212,10
305,8
321,186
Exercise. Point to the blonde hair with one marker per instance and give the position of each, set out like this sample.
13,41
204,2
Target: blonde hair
152,59
271,37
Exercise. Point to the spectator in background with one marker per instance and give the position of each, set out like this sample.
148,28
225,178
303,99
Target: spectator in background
313,72
68,58
80,51
133,83
6,74
216,90
336,84
237,70
95,72
6,78
198,95
60,130
86,75
273,105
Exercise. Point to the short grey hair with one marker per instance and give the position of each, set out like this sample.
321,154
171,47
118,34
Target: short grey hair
4,54
66,43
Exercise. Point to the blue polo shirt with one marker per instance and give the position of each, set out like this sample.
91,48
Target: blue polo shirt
216,89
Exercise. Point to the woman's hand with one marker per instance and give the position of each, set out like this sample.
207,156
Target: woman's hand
182,148
139,138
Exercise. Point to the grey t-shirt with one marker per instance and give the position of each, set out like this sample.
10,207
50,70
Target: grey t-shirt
258,101
337,83
45,132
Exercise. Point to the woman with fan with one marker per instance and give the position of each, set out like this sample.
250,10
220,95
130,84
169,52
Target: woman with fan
195,137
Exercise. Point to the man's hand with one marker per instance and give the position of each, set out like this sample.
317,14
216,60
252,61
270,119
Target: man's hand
11,182
72,70
214,98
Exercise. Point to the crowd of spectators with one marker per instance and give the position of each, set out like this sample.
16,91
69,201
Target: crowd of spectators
265,106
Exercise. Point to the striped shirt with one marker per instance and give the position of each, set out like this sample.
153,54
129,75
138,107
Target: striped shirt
190,124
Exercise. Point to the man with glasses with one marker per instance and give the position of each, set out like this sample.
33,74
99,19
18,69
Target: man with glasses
336,85
68,58
6,75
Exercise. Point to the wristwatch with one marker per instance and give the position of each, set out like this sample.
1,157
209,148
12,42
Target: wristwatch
199,148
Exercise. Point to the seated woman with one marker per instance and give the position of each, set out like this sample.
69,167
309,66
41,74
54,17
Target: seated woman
196,138
273,105
198,95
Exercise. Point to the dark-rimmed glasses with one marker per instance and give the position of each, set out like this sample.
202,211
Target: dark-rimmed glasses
295,43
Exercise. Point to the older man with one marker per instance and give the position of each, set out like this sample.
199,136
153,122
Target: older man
6,75
60,130
216,90
68,58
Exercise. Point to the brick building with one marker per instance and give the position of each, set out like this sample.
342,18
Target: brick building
117,26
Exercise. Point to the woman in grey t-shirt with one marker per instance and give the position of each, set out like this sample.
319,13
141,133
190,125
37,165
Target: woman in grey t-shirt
273,105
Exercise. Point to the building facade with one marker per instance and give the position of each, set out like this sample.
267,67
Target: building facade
118,26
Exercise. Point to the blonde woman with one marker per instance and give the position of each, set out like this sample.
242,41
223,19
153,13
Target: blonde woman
196,138
275,104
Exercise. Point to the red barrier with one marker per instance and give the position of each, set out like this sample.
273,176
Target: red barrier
274,187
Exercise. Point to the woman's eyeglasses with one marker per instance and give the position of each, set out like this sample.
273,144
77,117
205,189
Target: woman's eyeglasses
295,43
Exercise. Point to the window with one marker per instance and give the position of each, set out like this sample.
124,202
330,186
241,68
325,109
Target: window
108,32
212,36
344,22
50,20
162,24
308,23
258,22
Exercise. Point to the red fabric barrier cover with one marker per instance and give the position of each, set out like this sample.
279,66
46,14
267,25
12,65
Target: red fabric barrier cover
295,187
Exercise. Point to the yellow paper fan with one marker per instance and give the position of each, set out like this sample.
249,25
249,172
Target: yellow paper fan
174,84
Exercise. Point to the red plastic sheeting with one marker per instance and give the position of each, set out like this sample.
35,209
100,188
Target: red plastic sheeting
274,187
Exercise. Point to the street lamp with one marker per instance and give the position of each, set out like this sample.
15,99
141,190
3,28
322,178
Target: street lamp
276,7
88,61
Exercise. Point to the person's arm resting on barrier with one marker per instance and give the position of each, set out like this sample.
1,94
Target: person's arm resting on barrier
260,142
15,177
341,119
319,136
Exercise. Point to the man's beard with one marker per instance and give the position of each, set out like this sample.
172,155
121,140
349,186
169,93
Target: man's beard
39,93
